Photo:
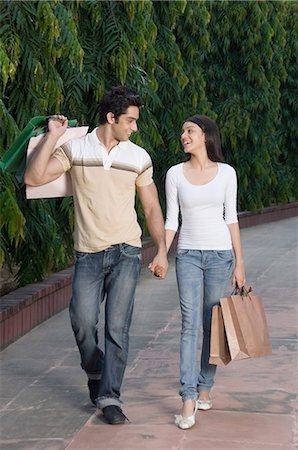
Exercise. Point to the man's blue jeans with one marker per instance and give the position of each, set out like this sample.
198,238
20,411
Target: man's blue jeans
112,275
202,279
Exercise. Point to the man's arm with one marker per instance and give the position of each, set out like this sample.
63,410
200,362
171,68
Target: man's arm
150,203
42,167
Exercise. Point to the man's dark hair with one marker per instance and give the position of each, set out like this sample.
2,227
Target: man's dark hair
212,137
117,100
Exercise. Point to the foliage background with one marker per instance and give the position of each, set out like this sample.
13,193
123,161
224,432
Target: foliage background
234,61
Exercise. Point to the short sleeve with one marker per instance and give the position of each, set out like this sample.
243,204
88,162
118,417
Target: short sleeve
146,176
63,154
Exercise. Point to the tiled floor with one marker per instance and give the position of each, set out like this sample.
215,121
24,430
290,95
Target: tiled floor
44,399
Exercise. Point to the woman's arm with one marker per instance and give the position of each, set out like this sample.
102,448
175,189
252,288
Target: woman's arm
171,224
239,272
232,223
170,234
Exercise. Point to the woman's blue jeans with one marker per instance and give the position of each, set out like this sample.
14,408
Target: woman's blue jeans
202,278
112,275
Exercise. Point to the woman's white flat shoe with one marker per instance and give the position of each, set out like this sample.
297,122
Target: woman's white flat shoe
204,404
186,422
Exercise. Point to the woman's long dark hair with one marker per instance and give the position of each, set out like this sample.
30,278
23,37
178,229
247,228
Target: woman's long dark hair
212,137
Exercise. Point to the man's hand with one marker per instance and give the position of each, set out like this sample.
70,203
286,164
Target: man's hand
57,125
42,168
159,266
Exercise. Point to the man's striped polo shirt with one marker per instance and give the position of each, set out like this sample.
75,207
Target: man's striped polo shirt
104,186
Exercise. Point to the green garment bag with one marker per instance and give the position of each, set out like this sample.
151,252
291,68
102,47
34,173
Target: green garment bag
14,159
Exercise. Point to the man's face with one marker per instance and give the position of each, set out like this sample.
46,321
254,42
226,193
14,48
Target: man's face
126,124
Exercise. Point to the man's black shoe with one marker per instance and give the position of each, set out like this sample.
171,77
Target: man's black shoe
93,386
114,415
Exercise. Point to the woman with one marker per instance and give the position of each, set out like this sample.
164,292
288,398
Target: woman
204,190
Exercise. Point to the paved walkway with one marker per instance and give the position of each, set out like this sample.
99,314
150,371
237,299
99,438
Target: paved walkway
44,399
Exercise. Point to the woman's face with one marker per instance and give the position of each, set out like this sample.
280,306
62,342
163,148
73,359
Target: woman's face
192,137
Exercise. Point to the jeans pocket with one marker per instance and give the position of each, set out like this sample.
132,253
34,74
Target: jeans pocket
81,256
225,255
182,251
131,251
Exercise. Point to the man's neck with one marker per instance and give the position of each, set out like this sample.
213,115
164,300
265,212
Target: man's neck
104,136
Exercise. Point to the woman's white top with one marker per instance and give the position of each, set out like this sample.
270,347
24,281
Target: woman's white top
206,209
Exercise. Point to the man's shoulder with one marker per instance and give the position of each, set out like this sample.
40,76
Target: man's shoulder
135,151
135,147
86,139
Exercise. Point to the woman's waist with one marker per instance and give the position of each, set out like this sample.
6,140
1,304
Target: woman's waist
218,238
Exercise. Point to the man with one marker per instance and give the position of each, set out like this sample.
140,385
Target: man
106,170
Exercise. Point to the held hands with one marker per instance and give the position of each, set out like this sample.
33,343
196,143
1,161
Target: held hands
57,125
159,266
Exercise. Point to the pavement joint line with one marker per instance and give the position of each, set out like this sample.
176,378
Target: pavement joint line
162,330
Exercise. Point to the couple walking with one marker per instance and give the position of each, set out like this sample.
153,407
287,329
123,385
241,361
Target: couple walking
107,170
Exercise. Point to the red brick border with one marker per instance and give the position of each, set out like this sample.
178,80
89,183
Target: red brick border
27,307
23,309
271,214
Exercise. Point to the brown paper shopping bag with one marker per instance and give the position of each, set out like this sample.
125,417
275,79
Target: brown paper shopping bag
219,349
245,325
62,186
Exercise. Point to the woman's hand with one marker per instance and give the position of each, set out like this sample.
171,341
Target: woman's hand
159,266
238,276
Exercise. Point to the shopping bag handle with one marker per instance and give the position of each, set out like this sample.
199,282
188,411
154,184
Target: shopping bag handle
41,130
244,291
14,159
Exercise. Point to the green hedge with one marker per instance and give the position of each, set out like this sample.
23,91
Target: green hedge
235,61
